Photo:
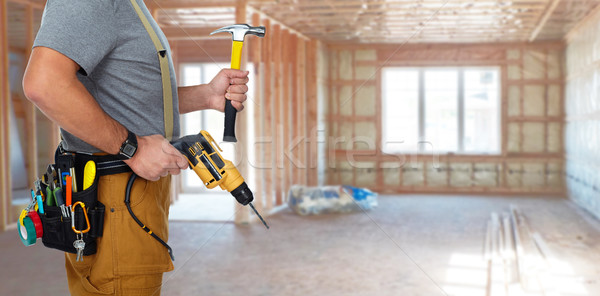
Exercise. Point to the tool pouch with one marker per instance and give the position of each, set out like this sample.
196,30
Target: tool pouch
58,233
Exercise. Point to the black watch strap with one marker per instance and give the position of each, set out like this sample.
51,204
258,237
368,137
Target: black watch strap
129,147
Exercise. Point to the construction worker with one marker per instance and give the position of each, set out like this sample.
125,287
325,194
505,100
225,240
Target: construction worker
95,71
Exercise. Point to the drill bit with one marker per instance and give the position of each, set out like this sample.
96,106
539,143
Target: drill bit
259,216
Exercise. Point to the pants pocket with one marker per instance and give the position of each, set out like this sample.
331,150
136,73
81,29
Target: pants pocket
135,251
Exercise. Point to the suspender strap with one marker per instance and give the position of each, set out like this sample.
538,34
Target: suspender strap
164,72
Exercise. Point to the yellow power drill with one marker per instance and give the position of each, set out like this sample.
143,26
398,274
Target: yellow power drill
213,169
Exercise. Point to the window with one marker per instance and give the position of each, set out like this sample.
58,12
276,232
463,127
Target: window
441,109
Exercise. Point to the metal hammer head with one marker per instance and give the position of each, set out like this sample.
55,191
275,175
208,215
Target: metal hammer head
238,31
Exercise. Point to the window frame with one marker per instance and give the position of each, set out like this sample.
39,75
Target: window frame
460,109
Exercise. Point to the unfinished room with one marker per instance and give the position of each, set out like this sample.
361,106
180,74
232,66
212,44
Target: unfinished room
300,147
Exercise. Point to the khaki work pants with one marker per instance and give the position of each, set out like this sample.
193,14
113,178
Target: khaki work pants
129,261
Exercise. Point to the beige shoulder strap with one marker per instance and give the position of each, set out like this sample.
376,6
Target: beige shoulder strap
164,72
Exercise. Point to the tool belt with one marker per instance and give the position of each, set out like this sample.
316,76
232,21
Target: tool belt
49,216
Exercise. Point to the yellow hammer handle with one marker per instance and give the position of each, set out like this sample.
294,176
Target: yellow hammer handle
236,54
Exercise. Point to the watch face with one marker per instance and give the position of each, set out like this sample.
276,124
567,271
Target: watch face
129,150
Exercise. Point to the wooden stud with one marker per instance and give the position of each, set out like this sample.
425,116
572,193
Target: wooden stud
302,113
35,4
5,172
284,112
31,129
312,109
521,100
504,120
293,112
277,101
256,48
267,111
379,126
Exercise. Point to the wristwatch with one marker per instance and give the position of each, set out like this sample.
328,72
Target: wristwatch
129,147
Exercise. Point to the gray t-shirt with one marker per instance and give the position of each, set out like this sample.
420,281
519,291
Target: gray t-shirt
119,63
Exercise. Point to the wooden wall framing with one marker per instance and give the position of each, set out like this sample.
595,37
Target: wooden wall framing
5,181
285,111
31,15
531,160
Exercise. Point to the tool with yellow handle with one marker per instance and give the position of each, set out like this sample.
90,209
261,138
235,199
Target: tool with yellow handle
204,158
89,174
238,32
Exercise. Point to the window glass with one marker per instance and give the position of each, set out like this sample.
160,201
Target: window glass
401,100
441,102
441,109
481,123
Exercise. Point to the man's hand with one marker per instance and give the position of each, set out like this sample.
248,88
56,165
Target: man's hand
228,84
156,158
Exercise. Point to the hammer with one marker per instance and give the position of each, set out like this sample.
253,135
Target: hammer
238,32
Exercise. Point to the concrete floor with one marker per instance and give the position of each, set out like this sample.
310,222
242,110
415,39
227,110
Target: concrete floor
409,245
203,207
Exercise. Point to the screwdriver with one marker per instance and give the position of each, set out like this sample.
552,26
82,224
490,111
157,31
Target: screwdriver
259,216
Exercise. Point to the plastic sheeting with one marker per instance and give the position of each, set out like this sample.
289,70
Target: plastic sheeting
582,104
330,199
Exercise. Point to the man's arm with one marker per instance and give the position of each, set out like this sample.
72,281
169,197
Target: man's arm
228,84
51,83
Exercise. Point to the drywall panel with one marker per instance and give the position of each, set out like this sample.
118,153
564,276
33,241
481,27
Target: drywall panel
412,175
514,100
364,101
485,174
533,137
437,176
514,137
460,174
533,100
534,64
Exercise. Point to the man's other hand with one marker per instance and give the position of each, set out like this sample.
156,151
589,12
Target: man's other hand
229,84
155,158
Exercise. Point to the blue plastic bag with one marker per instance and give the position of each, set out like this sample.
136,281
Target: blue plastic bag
330,199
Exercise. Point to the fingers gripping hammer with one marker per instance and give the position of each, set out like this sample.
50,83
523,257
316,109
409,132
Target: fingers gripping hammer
238,32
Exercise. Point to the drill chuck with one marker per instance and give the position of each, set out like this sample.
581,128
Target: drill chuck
242,194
